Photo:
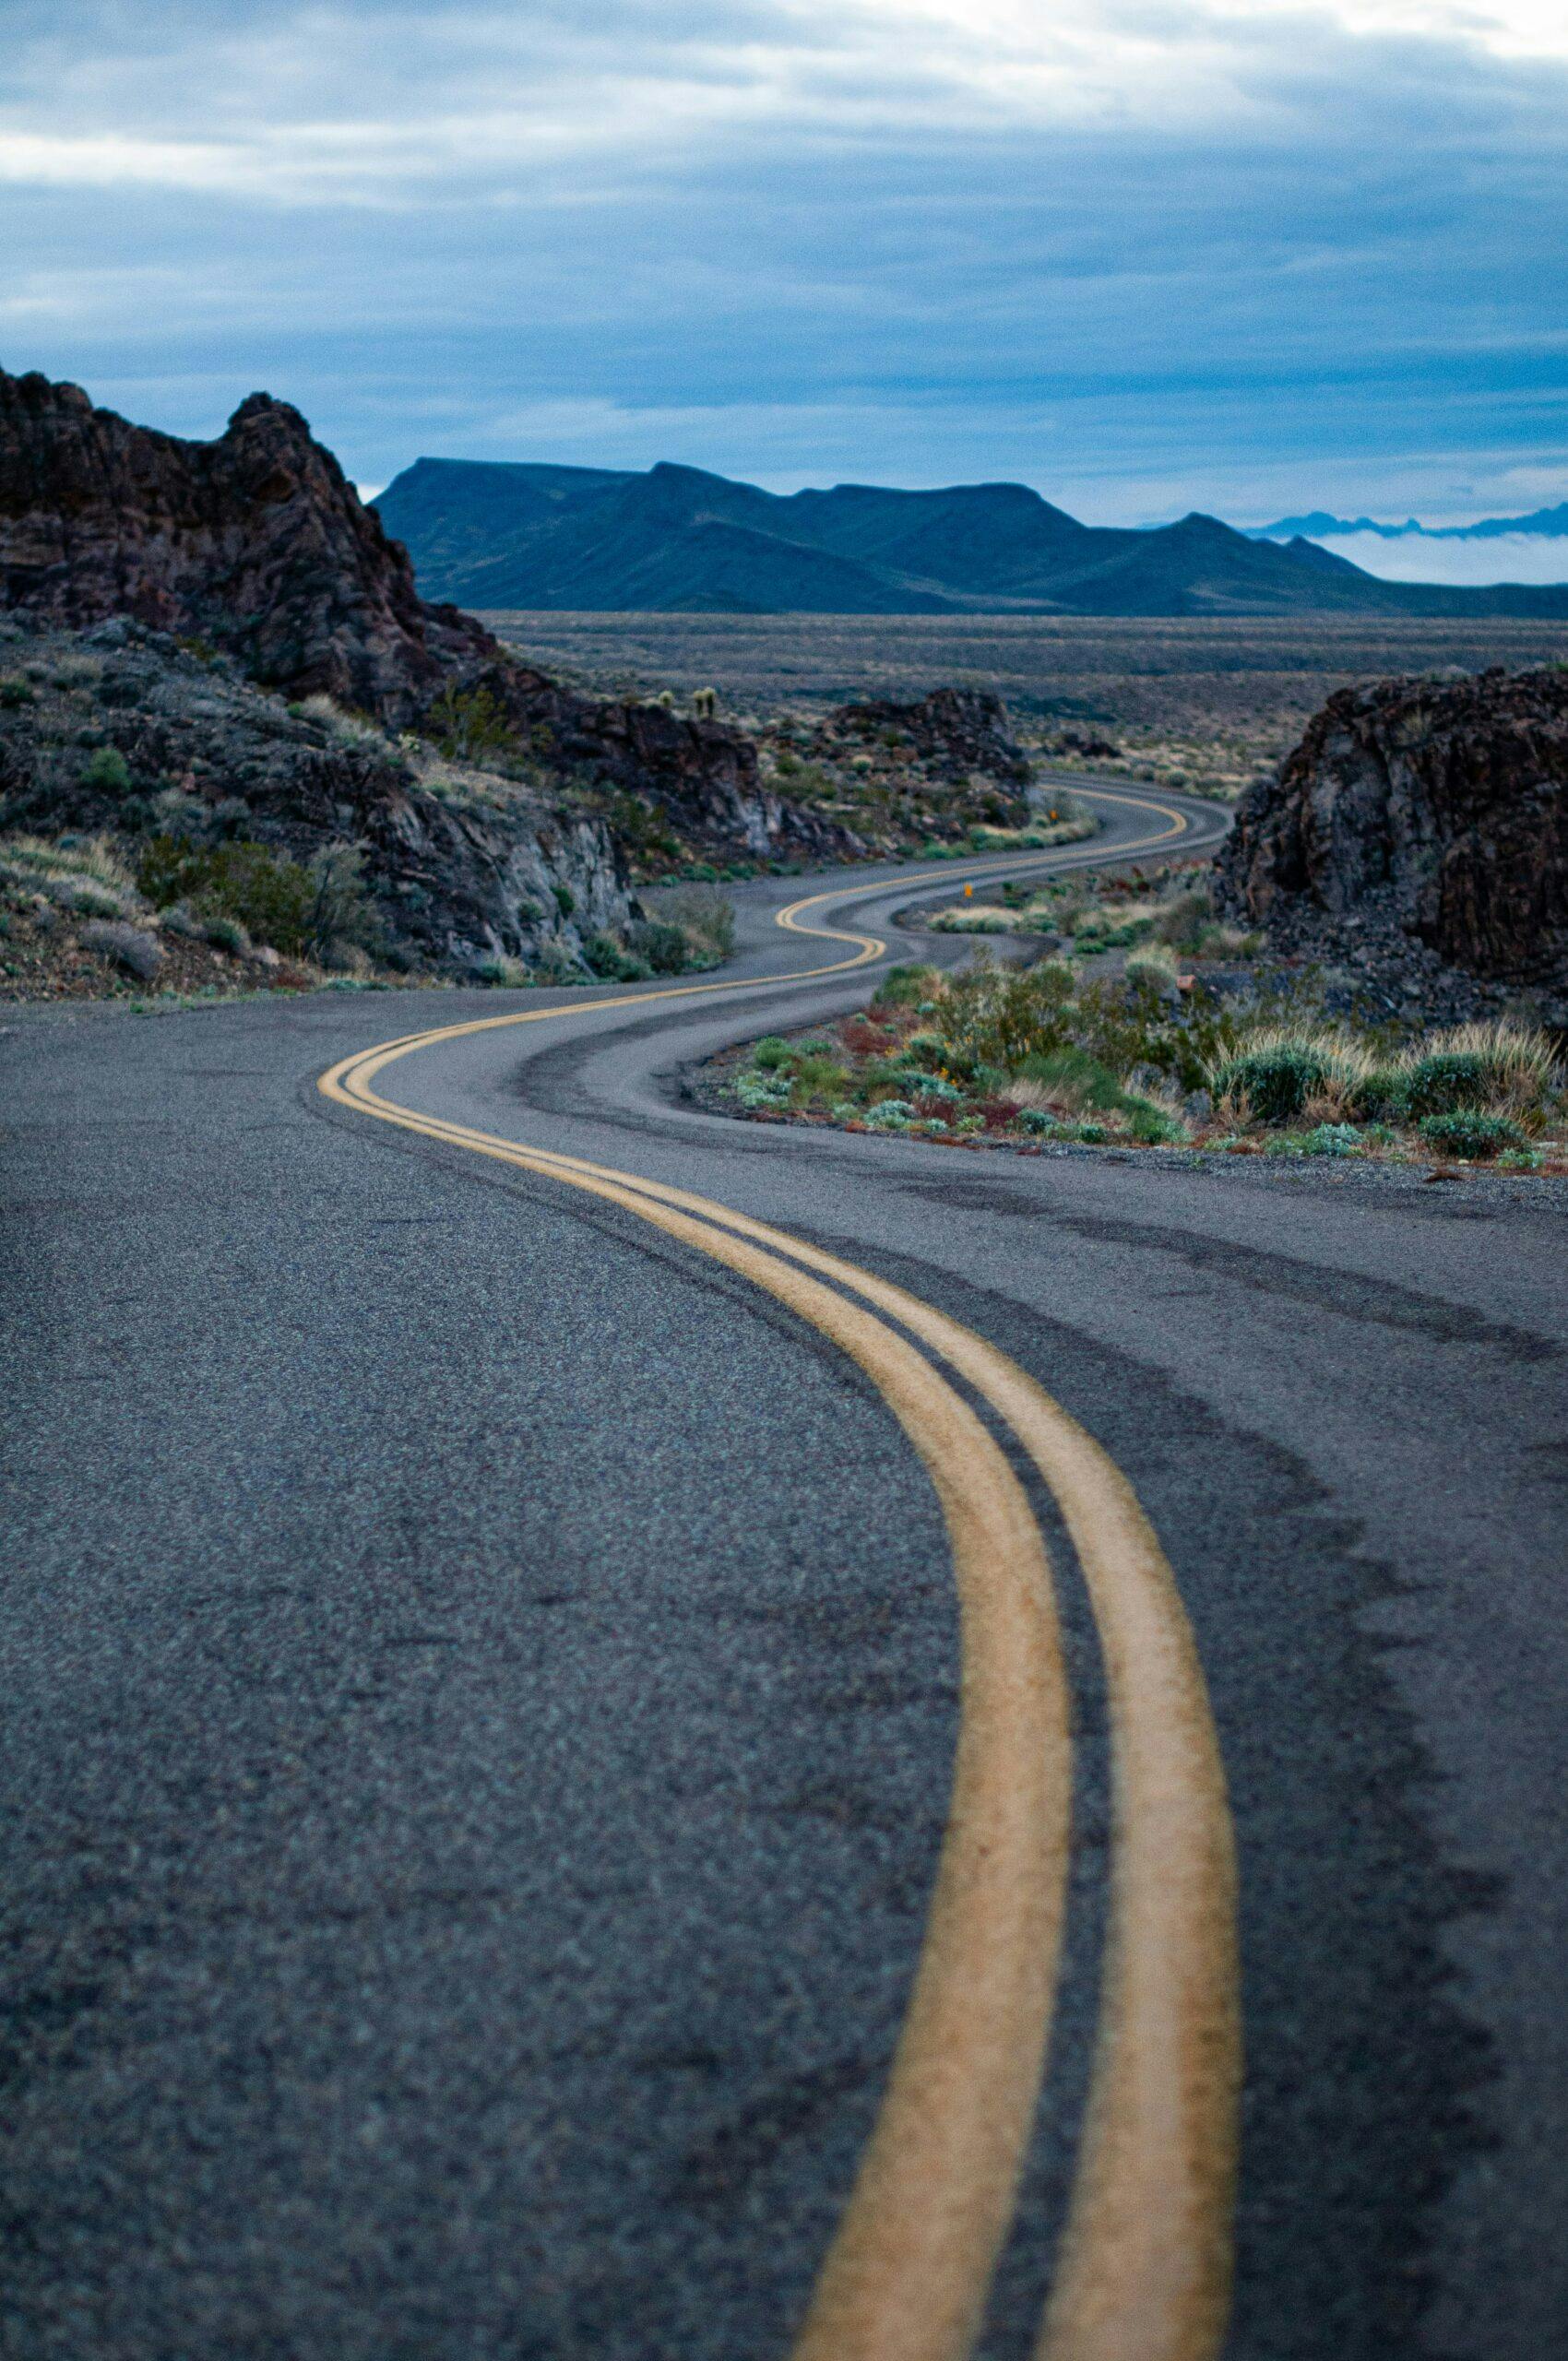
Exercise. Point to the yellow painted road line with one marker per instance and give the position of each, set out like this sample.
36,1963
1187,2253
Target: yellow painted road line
909,2271
1146,2267
1144,2272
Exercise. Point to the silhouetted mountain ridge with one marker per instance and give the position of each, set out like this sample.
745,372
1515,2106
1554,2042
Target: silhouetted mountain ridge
516,534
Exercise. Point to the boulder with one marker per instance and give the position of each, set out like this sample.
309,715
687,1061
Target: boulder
1434,811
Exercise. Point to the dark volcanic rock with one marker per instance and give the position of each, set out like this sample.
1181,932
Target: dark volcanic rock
952,732
257,544
1433,811
462,864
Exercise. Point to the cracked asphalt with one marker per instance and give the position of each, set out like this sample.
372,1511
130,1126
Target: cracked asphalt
481,1691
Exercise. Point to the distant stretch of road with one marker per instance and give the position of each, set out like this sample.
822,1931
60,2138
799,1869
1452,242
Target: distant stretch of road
635,1734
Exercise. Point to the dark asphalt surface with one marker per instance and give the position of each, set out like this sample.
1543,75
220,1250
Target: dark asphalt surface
481,1692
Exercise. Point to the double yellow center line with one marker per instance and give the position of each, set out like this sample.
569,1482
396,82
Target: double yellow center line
1144,2272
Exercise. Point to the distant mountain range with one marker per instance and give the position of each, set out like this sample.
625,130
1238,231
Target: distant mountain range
1549,523
676,539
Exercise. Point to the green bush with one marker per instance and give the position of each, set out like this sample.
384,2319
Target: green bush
16,693
472,726
1153,1126
1442,1082
904,986
664,947
1333,1139
1279,1072
1079,1079
818,1075
106,772
706,918
304,908
1469,1133
1036,1120
1380,1094
771,1051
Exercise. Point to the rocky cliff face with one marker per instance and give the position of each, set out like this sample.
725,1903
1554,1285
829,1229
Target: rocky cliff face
118,729
1431,811
258,544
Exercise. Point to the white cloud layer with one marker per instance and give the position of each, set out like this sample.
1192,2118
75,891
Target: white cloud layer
1507,557
1252,254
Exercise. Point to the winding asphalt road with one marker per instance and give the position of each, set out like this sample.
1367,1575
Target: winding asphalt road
597,1697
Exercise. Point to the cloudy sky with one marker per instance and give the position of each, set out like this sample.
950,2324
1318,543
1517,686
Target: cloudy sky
1146,255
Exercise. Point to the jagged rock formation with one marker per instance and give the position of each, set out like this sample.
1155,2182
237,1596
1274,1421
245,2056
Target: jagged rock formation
119,729
951,733
1434,812
257,544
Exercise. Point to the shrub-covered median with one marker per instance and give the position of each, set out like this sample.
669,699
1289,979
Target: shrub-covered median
1042,1056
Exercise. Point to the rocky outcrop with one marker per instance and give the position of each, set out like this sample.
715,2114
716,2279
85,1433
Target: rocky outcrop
1433,811
257,544
952,732
121,730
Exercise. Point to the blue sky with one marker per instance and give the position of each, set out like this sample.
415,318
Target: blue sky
1146,255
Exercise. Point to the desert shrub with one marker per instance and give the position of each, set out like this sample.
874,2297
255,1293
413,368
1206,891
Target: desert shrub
106,772
891,1115
1001,1016
1153,963
1278,1070
16,693
129,946
1442,1082
1184,919
1471,1134
1503,1067
557,963
471,726
1519,1159
609,958
905,986
1153,1126
1036,1120
297,907
706,917
1332,1139
228,935
495,968
1379,1094
973,917
771,1051
1074,1079
814,1073
664,947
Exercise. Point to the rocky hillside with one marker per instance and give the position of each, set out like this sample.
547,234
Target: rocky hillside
257,546
174,758
1423,820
